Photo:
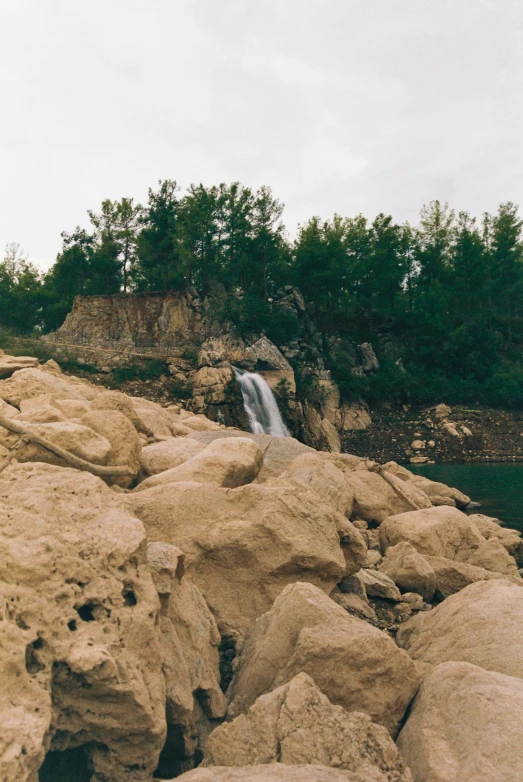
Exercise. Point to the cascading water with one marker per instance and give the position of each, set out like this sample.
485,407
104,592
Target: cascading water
260,405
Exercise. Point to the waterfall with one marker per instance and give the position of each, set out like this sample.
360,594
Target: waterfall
260,405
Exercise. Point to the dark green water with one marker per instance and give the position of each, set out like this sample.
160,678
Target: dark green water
498,487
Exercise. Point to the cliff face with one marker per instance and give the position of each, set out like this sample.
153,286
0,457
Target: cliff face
134,321
174,326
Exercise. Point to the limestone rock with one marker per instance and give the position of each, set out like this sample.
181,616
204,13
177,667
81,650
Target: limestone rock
169,453
376,500
409,570
11,364
451,576
355,665
43,414
125,444
295,724
465,724
268,356
72,408
480,625
152,418
491,528
492,555
80,440
322,477
441,412
433,489
116,400
8,410
190,640
278,452
199,423
226,462
279,772
80,659
378,584
355,417
26,383
438,532
267,536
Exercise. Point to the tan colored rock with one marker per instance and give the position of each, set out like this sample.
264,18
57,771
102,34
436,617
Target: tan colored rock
152,418
378,584
123,438
354,604
433,489
228,463
480,625
492,555
77,439
438,532
375,499
355,665
267,536
8,410
168,454
441,412
45,414
27,383
465,724
491,528
321,476
355,417
452,576
199,423
278,772
190,640
116,400
410,571
11,364
296,724
72,408
278,452
80,660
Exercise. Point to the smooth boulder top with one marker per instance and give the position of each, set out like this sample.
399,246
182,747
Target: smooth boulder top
279,772
11,364
466,725
481,625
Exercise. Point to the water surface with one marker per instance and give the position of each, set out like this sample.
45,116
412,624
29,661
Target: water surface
498,487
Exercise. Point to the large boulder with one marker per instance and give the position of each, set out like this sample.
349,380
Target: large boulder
11,364
279,772
453,576
354,664
492,555
432,489
296,724
465,724
226,462
168,454
244,545
123,438
189,641
278,452
116,400
437,532
27,383
409,570
481,625
375,499
79,440
491,528
80,659
321,476
152,418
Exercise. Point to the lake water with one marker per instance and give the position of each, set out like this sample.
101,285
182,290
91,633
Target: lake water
498,487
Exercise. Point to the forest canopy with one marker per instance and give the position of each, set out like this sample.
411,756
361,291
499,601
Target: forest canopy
449,288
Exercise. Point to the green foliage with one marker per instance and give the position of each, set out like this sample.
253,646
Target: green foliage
147,369
190,354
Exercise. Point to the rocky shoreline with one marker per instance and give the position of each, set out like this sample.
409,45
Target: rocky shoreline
182,599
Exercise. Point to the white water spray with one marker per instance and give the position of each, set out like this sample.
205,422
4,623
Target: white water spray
260,405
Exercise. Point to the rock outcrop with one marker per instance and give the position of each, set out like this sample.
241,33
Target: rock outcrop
465,724
355,665
296,724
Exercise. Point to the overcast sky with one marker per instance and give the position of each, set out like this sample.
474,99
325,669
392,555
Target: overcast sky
339,105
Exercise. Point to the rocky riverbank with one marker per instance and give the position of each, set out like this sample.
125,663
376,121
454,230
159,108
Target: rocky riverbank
182,599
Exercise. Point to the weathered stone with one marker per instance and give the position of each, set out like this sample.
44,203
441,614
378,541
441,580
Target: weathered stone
295,724
27,383
268,356
321,476
169,453
378,584
11,364
79,654
279,772
355,665
480,625
79,440
441,412
267,536
369,362
452,576
123,439
465,724
409,570
491,528
492,555
375,499
190,641
355,417
439,532
227,462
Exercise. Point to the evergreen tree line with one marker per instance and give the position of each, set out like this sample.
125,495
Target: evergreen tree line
449,289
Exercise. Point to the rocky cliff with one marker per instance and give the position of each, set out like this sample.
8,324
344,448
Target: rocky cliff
200,353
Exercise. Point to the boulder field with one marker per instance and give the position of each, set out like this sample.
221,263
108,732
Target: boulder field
184,600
